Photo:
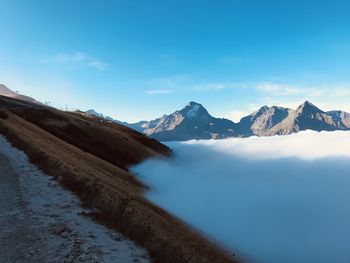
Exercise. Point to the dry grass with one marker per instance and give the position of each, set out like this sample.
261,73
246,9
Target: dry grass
91,156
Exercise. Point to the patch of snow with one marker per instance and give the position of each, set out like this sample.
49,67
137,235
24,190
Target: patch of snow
193,111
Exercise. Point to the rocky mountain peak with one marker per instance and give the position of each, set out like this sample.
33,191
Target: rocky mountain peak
193,103
308,106
308,109
194,122
193,110
261,111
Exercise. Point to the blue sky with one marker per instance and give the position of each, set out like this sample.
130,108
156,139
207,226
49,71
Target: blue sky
137,60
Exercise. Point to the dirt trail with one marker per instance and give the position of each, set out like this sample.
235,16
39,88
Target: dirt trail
42,222
19,237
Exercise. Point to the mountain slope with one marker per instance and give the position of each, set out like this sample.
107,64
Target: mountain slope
91,157
5,91
341,118
306,117
192,122
259,122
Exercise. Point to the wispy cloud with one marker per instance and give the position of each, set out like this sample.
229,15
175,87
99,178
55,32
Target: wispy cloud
77,58
342,92
165,85
174,81
326,96
211,86
277,89
159,92
215,86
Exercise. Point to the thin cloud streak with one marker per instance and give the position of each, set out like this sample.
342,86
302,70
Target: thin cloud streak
289,90
77,58
159,92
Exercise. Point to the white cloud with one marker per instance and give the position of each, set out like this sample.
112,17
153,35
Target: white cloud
159,92
164,85
311,91
172,81
342,91
277,89
77,58
334,105
326,96
216,86
211,86
320,145
268,200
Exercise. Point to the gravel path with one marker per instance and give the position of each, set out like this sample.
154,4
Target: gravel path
42,222
18,231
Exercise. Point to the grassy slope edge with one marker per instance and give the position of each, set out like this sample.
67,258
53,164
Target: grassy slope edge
70,155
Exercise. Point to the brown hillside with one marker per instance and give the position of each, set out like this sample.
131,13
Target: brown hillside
91,156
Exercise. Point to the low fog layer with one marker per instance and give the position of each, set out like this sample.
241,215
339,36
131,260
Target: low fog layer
269,200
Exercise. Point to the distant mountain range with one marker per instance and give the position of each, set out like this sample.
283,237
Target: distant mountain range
194,122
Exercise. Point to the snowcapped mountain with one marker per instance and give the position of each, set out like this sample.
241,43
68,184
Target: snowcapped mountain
194,122
191,122
5,91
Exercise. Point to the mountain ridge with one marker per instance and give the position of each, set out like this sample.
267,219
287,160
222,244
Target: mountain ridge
5,91
191,122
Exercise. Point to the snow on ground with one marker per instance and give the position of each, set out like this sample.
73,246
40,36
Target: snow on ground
48,223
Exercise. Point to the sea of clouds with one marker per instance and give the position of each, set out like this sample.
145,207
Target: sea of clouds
274,199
